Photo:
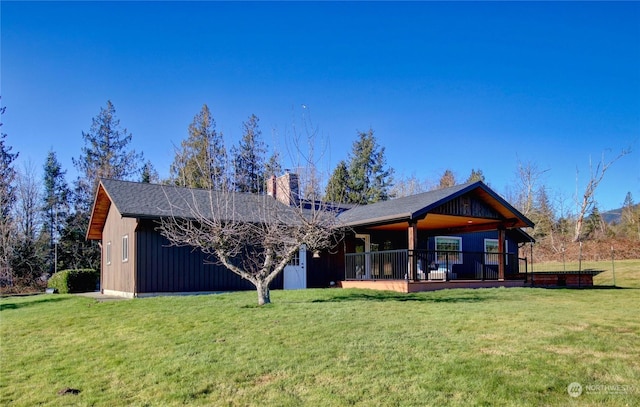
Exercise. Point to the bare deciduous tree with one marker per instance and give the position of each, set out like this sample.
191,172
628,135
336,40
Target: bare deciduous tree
254,236
27,211
586,200
527,178
27,263
411,185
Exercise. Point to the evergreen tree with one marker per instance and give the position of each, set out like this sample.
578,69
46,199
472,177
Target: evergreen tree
106,154
201,160
475,176
272,166
369,177
248,159
542,215
447,180
7,200
55,206
595,226
149,173
74,250
336,190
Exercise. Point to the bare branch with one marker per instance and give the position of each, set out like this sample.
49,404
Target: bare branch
254,236
586,202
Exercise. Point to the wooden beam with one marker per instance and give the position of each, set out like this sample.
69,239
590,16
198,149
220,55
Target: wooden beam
482,227
501,257
413,243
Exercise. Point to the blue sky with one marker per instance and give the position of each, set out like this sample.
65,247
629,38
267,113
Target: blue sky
443,85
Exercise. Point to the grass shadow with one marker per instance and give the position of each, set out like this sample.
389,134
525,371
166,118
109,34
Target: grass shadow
6,303
611,287
445,296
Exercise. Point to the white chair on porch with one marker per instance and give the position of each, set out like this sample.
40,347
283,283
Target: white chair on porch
442,273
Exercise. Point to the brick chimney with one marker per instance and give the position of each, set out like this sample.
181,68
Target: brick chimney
271,186
284,188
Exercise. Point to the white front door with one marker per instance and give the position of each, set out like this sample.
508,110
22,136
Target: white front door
295,273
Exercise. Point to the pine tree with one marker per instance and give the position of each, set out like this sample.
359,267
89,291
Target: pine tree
55,206
369,177
7,200
74,250
106,154
201,160
336,190
272,166
248,159
475,176
595,227
7,176
149,173
542,215
447,180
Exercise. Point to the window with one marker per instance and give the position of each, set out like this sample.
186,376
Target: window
491,251
448,250
108,253
125,248
295,260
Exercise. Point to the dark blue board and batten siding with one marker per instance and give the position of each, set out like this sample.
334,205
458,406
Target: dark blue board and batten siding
164,268
473,255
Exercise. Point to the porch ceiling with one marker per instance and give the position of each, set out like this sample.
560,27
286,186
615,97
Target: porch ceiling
436,222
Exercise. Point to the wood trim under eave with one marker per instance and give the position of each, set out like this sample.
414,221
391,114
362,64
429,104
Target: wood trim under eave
483,227
99,213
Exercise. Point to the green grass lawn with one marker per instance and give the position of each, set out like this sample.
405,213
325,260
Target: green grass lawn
332,347
625,272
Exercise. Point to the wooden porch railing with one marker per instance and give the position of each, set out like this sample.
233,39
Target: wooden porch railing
433,265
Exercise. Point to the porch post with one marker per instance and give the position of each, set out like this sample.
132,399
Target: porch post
413,241
501,257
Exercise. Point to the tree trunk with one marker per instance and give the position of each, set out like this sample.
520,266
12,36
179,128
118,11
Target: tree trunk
578,229
263,293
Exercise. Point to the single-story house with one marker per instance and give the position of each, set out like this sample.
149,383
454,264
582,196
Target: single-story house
466,235
462,236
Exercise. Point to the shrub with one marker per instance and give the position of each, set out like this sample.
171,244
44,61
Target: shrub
74,281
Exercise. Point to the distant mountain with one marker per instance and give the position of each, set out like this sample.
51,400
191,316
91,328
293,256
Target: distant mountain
612,216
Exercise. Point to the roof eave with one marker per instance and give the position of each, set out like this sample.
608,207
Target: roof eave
94,231
381,219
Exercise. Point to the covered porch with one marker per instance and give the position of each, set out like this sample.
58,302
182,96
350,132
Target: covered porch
463,236
423,270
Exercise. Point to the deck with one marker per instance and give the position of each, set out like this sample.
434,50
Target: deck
422,270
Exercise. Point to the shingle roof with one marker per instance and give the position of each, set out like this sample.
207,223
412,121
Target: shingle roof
401,208
142,200
416,206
